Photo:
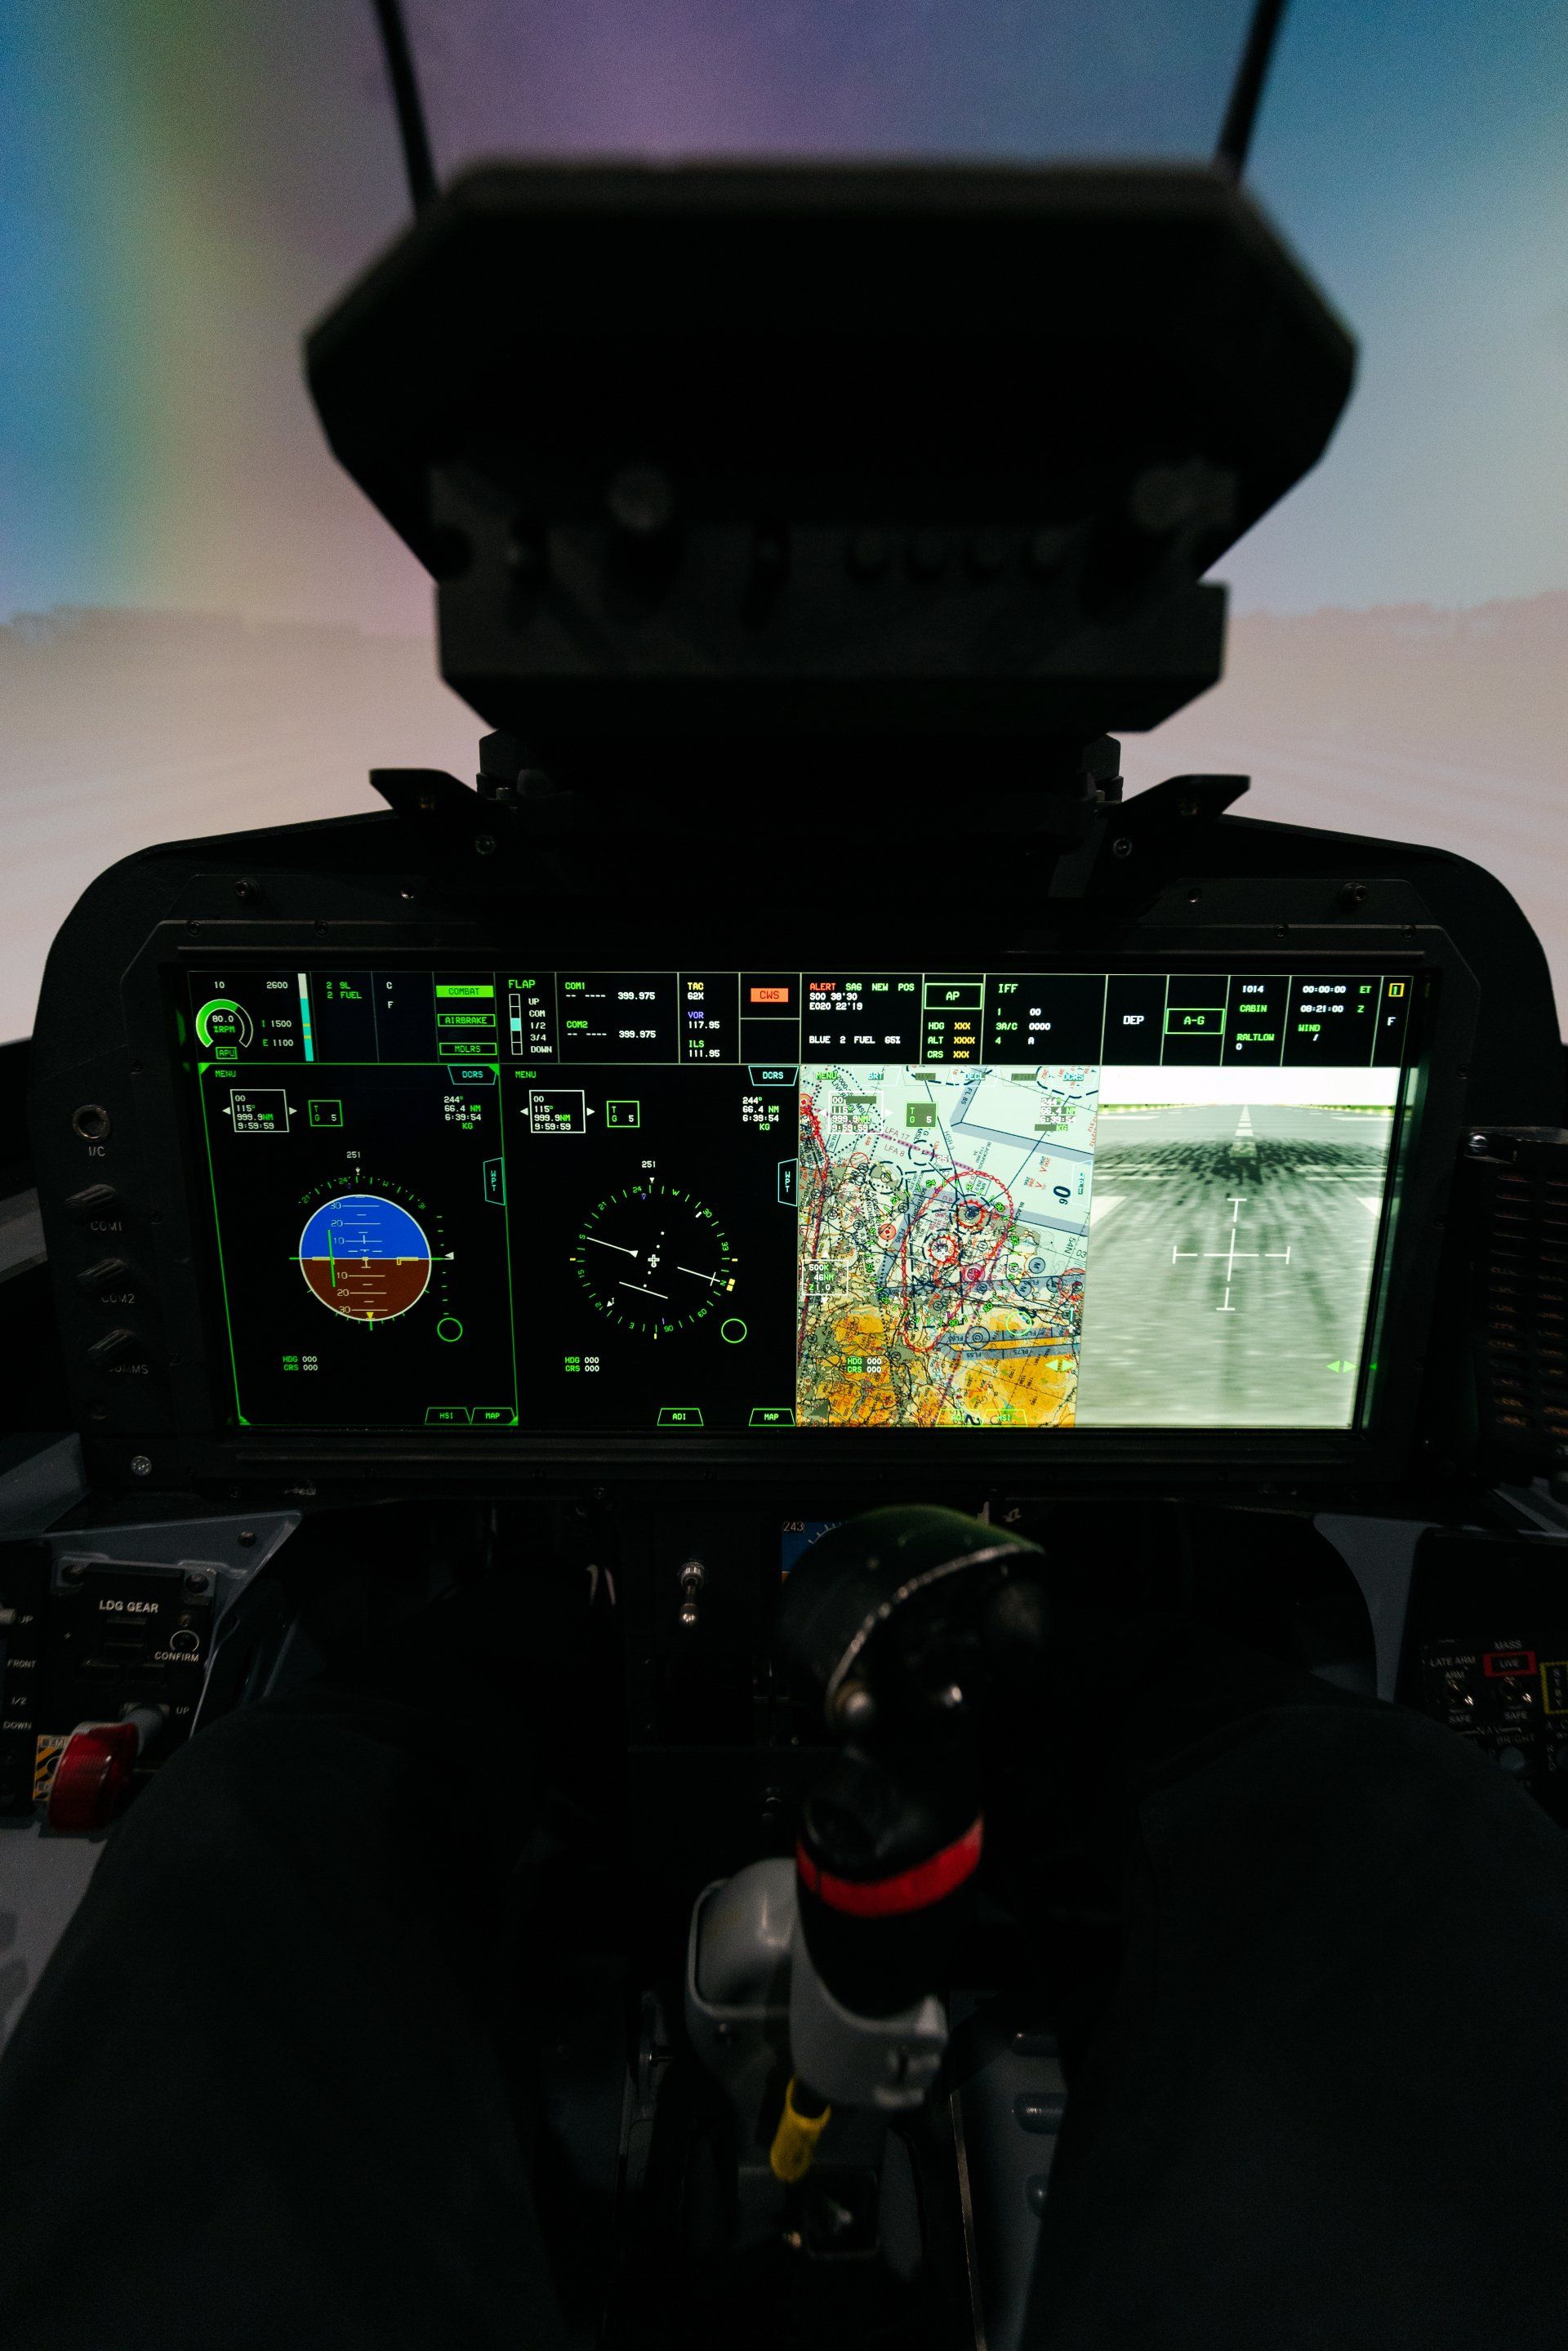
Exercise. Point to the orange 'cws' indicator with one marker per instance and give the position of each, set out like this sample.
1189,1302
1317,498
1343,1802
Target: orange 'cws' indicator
768,994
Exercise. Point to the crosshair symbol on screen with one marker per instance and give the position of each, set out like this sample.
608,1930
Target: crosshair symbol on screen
1231,1255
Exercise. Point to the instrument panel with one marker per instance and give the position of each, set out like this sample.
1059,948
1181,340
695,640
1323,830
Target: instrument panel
484,1200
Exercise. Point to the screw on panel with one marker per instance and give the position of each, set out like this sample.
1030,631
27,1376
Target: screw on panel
140,1467
1121,846
1477,1143
484,844
527,556
246,1540
869,554
1045,550
641,501
1354,894
197,1584
769,551
854,1708
451,553
72,1572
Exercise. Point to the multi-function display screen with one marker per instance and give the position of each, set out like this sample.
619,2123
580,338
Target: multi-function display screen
675,1200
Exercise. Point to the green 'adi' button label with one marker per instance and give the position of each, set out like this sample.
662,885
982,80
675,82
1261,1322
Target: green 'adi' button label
680,1416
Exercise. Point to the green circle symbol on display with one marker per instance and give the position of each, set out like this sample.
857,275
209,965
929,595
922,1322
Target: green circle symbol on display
449,1327
221,1022
733,1330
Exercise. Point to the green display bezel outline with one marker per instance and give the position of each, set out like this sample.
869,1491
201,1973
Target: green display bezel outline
241,1418
1135,962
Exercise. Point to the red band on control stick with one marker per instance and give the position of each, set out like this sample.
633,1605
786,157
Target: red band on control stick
918,1888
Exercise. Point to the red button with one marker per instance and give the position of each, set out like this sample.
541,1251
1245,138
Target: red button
1509,1661
92,1776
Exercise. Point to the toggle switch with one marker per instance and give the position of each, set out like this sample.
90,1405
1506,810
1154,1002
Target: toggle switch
114,1347
108,1273
94,1200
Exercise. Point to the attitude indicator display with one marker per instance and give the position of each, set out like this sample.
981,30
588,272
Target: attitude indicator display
365,1257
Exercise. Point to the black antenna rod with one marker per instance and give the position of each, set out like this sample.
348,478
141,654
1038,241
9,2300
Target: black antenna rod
1236,135
410,124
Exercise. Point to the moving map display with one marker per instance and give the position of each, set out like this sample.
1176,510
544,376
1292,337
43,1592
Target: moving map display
519,1200
944,1245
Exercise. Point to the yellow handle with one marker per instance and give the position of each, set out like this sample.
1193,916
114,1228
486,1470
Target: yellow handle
795,2140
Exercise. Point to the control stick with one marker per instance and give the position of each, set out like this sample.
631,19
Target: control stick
911,1625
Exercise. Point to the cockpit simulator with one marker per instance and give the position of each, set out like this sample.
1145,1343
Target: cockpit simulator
794,1082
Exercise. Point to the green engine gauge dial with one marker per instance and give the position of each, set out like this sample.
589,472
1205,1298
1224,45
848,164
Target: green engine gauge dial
221,1021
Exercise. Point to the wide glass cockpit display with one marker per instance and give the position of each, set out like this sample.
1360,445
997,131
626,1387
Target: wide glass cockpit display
625,1201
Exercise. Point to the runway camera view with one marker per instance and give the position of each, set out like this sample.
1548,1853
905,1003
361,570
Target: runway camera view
1098,1247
